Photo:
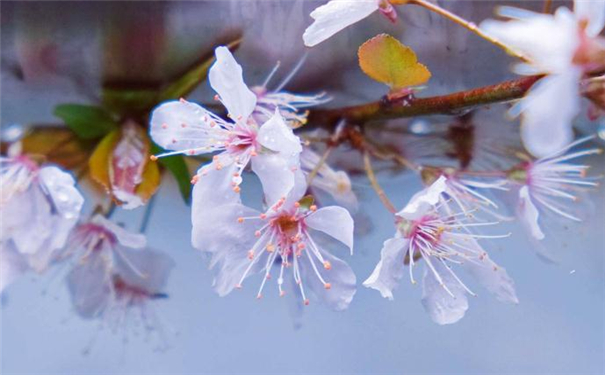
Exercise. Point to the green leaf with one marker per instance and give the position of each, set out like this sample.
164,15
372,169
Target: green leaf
88,122
177,166
386,60
128,101
191,79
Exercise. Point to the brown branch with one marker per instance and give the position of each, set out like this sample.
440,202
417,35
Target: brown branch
450,104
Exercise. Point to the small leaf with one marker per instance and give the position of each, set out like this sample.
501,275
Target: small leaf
191,79
128,101
306,202
177,166
88,122
150,182
384,59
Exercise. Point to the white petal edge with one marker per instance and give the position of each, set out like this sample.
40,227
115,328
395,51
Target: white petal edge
335,16
389,269
424,200
528,213
226,78
334,221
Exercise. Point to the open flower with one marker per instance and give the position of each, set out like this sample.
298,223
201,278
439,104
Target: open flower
102,239
564,46
336,183
425,232
187,128
122,297
39,206
243,242
336,15
551,186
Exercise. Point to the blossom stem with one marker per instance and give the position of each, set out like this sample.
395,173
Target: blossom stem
147,214
471,26
372,177
450,104
320,163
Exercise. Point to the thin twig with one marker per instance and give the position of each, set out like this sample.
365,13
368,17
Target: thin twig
320,163
471,26
381,194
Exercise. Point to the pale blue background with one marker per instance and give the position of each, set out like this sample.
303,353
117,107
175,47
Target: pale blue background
558,328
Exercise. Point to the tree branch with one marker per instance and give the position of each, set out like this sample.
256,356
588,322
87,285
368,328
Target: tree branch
450,104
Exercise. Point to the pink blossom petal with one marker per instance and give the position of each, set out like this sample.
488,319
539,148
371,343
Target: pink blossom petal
124,237
90,287
547,128
226,78
277,136
424,200
334,16
12,264
185,126
439,304
594,12
528,213
389,269
335,222
277,174
340,277
154,266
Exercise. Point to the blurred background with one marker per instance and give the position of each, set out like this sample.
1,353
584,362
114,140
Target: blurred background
66,52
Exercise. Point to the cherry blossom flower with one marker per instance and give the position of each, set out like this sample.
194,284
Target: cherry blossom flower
336,183
337,15
550,186
564,46
102,239
39,207
426,231
243,242
271,148
122,297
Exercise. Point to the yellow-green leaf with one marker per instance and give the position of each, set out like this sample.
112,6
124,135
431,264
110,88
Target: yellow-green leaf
150,182
100,160
386,60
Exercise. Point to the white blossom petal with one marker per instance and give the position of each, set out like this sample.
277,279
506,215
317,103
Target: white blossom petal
185,126
547,128
340,277
90,287
439,304
335,222
548,41
276,174
334,16
594,12
154,266
389,269
226,78
528,213
277,136
424,200
124,237
12,264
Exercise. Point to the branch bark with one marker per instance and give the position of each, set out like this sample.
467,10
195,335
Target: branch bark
450,104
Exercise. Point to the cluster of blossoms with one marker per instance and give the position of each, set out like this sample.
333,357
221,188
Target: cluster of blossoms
289,240
110,274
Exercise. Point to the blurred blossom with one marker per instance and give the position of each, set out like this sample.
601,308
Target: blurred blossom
244,242
122,297
549,188
335,183
39,206
564,46
427,231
